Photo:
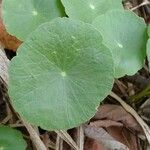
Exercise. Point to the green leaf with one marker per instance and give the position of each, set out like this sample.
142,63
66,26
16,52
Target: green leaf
88,10
149,30
21,17
61,74
124,34
148,51
11,139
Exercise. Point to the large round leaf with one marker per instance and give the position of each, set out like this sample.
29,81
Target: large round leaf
11,139
125,34
61,74
21,17
88,10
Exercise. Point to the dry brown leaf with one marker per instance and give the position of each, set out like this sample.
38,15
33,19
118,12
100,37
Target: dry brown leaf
119,124
92,144
103,137
124,136
144,110
118,114
6,40
130,110
105,123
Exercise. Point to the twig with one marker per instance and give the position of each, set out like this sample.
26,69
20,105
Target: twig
129,109
66,137
51,146
34,136
59,143
122,87
146,2
16,125
5,120
80,137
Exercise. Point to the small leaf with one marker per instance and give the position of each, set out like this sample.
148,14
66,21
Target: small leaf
61,74
124,34
21,17
88,10
11,139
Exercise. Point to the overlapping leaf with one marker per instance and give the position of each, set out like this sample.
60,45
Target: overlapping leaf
88,10
11,139
61,74
125,35
21,17
6,40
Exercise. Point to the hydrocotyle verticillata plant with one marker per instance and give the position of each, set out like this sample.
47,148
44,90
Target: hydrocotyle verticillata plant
21,17
60,75
125,34
11,139
88,10
64,69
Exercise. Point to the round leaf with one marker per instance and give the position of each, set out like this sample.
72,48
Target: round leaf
61,74
11,139
21,17
88,10
124,33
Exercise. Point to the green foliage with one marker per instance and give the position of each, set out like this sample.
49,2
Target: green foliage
11,139
66,66
88,10
149,30
125,35
21,17
61,74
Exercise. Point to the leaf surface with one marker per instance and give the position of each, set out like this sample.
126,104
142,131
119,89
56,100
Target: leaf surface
61,74
11,139
21,17
124,34
88,10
